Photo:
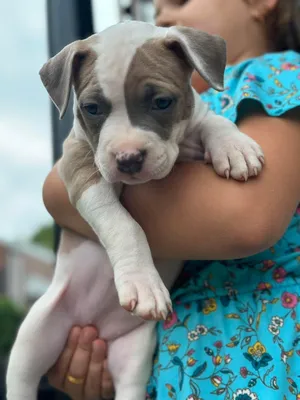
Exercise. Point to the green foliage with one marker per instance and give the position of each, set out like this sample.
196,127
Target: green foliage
11,317
44,237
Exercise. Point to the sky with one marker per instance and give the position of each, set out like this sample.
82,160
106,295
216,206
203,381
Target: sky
25,130
25,126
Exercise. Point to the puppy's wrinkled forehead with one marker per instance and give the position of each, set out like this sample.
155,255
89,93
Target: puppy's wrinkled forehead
116,49
111,51
128,60
107,64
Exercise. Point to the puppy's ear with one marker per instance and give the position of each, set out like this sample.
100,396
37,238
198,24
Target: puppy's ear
57,74
204,52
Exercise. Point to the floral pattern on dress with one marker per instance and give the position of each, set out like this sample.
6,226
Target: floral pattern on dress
255,350
273,80
235,330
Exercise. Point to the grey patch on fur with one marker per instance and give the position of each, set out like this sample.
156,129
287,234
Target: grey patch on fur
92,124
157,71
206,53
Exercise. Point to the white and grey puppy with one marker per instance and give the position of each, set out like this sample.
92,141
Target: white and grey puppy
135,114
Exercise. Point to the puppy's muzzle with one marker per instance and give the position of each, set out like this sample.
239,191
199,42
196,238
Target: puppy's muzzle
131,162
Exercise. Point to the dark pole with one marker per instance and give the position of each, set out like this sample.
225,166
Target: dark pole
68,20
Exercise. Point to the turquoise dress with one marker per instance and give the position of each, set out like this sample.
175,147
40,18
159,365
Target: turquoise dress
235,330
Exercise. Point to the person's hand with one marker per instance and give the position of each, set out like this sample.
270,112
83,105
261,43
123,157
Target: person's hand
81,370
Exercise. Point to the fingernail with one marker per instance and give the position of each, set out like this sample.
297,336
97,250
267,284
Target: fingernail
164,315
132,305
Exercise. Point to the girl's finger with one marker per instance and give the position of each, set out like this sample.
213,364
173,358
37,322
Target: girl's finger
56,375
107,386
93,382
78,369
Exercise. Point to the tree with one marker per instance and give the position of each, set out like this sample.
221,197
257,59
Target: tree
11,317
44,237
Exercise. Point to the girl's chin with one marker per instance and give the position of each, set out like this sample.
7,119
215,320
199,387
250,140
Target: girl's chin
198,83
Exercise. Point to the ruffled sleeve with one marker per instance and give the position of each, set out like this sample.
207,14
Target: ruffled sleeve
271,82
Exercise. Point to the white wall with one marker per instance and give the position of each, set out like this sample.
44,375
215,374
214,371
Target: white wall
105,13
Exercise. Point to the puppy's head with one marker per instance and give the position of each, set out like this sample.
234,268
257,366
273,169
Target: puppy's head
133,97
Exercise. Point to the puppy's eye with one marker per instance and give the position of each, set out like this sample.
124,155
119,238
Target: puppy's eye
162,103
92,109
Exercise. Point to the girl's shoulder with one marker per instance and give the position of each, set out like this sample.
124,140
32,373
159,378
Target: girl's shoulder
271,82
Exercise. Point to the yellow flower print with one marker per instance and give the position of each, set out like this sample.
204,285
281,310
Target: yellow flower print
217,360
173,347
191,361
210,306
257,350
278,83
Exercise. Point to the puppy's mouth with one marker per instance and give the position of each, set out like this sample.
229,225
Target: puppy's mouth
146,174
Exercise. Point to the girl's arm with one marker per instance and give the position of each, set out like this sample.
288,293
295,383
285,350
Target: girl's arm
195,214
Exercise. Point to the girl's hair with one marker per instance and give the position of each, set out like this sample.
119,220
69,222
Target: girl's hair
284,25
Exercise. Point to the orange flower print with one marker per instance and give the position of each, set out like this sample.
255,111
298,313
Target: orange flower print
217,360
191,361
264,286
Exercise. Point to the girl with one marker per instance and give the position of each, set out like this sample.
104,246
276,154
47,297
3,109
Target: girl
235,330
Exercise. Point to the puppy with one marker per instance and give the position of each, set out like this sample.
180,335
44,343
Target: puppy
135,115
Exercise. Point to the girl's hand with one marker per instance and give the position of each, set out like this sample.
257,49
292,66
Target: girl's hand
81,370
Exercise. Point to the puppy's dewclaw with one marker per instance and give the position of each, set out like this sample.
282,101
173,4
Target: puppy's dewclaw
146,292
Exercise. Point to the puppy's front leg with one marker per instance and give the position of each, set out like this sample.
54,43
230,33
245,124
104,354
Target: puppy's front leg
231,152
138,283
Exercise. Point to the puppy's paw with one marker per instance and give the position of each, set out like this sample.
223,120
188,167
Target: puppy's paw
235,155
143,293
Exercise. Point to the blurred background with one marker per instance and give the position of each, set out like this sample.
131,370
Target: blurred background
30,141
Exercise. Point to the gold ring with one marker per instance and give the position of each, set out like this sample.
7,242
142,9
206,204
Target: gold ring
76,381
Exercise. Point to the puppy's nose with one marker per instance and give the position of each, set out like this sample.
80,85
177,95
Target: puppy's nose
131,162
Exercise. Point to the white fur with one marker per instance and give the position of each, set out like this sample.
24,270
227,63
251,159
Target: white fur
82,292
231,152
136,279
92,280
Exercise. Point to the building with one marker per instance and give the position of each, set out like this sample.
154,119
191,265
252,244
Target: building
106,13
26,271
